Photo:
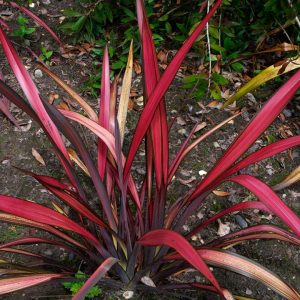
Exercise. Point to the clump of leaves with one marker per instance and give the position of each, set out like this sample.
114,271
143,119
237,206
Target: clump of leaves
137,235
74,287
200,83
46,55
23,30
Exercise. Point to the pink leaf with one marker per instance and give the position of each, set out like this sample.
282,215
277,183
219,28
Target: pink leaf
95,277
255,128
161,88
182,246
270,199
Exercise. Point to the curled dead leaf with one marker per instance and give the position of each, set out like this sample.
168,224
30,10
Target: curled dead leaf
200,126
38,157
137,68
214,104
187,181
148,281
162,56
224,228
292,178
74,157
180,121
221,193
23,127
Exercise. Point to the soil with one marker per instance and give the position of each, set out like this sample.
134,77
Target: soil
16,150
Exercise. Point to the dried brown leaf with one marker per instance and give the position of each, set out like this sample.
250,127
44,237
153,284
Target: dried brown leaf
38,157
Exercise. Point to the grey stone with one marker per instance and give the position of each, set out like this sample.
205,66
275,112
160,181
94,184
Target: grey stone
38,73
241,221
287,113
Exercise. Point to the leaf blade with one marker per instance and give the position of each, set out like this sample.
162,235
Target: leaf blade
10,285
182,246
161,88
95,277
270,199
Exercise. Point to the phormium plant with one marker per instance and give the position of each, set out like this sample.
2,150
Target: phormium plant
137,236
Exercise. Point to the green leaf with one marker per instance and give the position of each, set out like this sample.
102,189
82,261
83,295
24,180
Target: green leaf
217,47
238,67
220,79
21,20
213,31
129,13
29,30
228,43
89,26
77,26
118,65
163,18
80,275
67,27
215,92
69,12
108,13
168,27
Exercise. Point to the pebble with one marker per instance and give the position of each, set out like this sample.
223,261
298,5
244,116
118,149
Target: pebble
182,131
185,227
38,73
141,171
216,145
43,11
48,252
241,221
202,172
251,98
128,294
248,292
287,113
185,173
237,85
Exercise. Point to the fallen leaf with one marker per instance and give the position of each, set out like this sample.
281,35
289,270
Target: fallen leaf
74,157
130,105
214,104
182,131
221,193
185,173
269,217
148,281
62,105
162,56
139,101
137,68
59,209
128,294
224,228
180,121
289,180
200,126
187,181
226,94
38,157
52,97
23,127
283,47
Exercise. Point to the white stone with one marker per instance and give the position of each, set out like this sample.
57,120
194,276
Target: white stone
38,73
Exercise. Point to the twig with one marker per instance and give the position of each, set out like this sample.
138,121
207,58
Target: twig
209,53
